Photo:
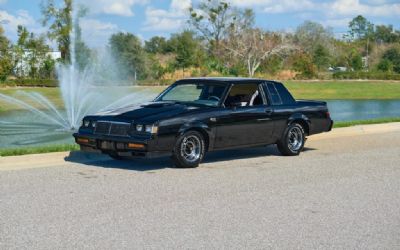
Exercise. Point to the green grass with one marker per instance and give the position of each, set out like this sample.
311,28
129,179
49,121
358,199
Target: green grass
365,122
38,149
328,90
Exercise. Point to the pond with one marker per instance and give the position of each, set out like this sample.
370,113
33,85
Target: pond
349,110
21,128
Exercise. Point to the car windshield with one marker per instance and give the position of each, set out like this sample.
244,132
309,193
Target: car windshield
208,94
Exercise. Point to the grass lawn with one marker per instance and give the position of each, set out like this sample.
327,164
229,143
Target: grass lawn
364,122
328,90
38,149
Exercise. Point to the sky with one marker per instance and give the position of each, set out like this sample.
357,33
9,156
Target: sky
147,18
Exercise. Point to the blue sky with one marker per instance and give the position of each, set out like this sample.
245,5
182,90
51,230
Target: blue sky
147,18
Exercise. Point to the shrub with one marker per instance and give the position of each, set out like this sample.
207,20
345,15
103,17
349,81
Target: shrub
31,82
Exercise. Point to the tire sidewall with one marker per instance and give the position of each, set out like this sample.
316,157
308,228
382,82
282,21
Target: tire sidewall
283,143
294,152
179,160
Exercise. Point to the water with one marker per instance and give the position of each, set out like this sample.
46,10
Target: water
94,89
17,128
348,110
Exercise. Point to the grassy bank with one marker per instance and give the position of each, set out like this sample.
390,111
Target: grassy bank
73,147
365,122
38,149
328,90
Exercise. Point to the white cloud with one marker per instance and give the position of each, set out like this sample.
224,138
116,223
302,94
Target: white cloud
283,6
114,7
10,23
333,8
96,33
354,7
167,20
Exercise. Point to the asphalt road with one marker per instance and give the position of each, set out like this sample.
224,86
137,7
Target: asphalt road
340,193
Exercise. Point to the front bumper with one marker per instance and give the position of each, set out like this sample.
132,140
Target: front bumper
123,146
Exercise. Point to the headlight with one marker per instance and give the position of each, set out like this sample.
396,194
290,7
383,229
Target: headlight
86,123
139,127
151,129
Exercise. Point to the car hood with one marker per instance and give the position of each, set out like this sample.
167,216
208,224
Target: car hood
148,112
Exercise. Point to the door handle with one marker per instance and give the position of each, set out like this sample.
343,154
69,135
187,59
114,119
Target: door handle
269,111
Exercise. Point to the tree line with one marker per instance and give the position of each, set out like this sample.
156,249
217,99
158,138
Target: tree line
220,40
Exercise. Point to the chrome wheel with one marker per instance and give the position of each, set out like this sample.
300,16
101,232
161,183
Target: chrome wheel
295,139
191,148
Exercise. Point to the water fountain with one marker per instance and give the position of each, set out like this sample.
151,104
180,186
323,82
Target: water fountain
82,93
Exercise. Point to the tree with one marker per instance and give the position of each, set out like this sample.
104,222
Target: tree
386,34
303,63
156,44
129,54
186,49
392,55
60,25
311,35
5,57
253,46
30,54
321,57
360,28
385,65
214,19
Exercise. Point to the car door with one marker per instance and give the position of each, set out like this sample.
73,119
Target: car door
245,125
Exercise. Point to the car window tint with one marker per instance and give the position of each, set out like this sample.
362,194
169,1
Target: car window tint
274,95
244,94
286,97
184,92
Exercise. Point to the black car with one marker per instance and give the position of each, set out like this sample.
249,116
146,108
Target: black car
198,115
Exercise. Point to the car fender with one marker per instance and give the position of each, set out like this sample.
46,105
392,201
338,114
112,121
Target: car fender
201,127
302,119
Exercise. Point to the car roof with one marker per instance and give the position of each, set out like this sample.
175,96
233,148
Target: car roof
224,79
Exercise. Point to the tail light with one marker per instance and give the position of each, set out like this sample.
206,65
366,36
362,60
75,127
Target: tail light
328,115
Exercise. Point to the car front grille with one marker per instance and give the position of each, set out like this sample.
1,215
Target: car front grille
112,128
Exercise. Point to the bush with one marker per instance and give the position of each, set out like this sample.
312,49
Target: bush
366,75
31,82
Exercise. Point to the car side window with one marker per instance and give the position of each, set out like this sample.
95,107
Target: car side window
286,97
272,92
244,94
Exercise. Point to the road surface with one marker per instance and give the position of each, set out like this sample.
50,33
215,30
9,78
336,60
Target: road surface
342,192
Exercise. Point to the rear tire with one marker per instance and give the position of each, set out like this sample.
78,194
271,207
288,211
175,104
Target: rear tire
292,141
189,150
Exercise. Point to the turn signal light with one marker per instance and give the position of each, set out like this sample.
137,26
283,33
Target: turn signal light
135,146
82,140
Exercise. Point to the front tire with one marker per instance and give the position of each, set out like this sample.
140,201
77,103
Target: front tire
189,150
292,141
